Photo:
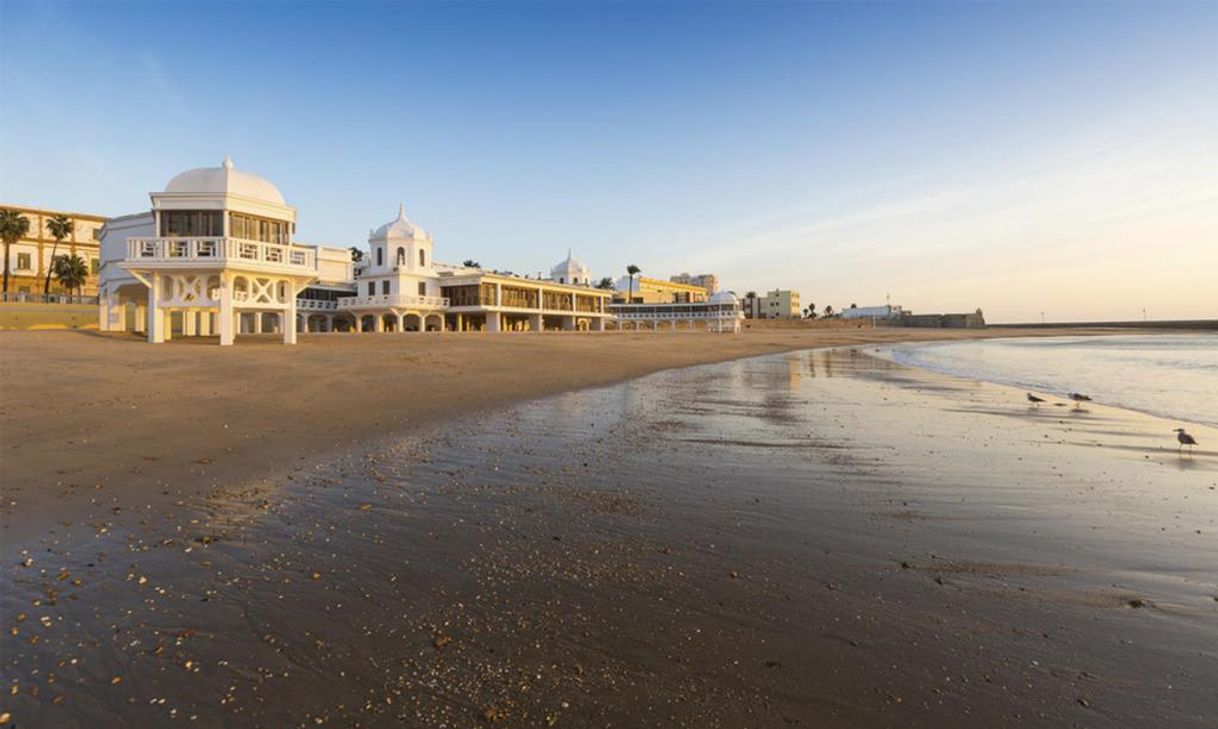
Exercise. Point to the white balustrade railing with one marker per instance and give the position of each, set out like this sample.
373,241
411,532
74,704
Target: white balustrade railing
316,305
677,315
392,301
220,250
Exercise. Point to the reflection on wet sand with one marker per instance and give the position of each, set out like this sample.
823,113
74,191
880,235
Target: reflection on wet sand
820,538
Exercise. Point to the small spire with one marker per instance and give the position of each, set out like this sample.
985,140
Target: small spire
228,162
401,211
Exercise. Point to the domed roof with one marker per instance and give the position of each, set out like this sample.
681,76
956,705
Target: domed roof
570,264
401,227
724,297
225,180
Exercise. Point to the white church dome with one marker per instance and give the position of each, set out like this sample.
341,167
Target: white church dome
401,227
225,180
724,297
571,271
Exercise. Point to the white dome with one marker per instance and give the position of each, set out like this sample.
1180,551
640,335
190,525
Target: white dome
570,270
724,297
225,180
402,227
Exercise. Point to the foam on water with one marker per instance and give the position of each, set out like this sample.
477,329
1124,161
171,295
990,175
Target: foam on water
1169,375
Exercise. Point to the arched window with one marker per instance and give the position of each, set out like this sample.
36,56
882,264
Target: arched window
380,256
401,256
422,257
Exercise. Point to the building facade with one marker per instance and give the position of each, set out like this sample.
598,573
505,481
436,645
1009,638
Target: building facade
708,281
30,258
215,255
720,313
884,313
644,290
776,304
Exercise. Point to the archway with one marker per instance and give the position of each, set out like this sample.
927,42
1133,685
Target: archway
412,322
389,322
435,322
367,323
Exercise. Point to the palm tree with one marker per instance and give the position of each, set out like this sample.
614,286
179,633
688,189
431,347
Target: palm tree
471,263
605,284
633,271
829,311
811,311
71,272
356,255
13,227
59,227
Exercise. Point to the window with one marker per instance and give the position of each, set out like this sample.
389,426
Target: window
385,287
422,288
23,261
422,257
94,266
181,223
401,256
259,229
380,256
372,288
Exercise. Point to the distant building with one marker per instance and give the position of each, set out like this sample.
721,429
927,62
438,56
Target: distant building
972,320
30,257
887,311
776,304
657,291
721,314
708,281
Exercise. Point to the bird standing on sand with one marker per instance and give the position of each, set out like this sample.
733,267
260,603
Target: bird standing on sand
1079,398
1036,401
1185,440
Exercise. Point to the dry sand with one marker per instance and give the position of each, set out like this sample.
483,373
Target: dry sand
83,412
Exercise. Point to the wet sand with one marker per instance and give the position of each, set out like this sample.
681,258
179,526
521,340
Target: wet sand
89,420
812,539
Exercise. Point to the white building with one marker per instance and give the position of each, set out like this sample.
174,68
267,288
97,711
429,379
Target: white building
722,313
213,255
571,271
888,311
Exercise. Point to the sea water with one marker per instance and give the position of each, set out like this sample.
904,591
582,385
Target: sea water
1169,375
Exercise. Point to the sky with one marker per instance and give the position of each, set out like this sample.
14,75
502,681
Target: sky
1046,161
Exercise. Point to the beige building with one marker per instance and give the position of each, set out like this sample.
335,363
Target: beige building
708,281
657,291
30,257
776,304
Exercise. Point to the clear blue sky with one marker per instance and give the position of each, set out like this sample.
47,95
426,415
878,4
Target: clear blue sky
1017,157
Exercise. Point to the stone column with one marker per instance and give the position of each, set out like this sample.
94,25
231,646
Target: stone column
205,323
537,323
493,318
156,318
226,323
189,317
289,317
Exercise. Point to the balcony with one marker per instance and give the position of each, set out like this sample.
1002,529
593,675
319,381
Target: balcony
221,252
393,301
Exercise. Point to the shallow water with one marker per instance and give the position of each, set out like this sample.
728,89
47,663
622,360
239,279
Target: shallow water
1170,375
820,538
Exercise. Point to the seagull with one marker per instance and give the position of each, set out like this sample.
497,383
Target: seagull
1036,401
1079,398
1185,440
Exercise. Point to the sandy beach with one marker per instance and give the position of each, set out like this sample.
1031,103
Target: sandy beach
525,532
88,419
